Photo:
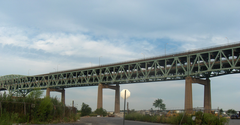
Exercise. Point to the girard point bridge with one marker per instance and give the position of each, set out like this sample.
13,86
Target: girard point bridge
196,66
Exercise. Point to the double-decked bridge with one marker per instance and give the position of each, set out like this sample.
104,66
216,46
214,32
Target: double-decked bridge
193,66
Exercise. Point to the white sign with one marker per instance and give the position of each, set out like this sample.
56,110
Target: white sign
123,93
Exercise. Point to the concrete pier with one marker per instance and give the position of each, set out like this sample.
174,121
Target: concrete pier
100,96
188,94
57,90
117,96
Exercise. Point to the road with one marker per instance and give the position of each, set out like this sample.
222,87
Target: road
234,122
107,121
119,121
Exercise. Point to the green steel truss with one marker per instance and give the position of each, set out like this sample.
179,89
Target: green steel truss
203,63
8,77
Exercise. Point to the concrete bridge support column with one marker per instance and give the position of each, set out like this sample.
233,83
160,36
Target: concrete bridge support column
207,97
48,92
63,96
117,99
117,96
188,94
100,96
57,90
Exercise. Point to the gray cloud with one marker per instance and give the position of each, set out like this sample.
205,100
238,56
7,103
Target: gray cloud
40,35
128,18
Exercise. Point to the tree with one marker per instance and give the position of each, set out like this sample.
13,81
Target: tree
231,111
35,94
101,111
85,110
221,111
158,103
151,110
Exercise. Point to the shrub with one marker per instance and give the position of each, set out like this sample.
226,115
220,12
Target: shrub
45,109
85,110
9,118
180,118
38,111
184,119
211,119
101,111
140,117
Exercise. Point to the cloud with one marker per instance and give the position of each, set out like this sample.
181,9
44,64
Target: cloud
72,34
66,44
24,66
12,36
137,19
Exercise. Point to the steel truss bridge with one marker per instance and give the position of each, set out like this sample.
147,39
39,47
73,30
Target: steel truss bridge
204,63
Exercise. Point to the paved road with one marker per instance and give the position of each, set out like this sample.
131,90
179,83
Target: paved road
234,122
119,121
107,121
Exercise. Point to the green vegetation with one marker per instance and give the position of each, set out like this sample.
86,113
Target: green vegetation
221,111
184,119
85,110
101,112
159,104
45,109
231,111
33,109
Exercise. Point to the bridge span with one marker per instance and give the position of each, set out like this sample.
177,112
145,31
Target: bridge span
194,66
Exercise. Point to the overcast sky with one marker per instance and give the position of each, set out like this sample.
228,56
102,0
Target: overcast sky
45,36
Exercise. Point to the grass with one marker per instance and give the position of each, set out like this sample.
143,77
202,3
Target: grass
201,118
